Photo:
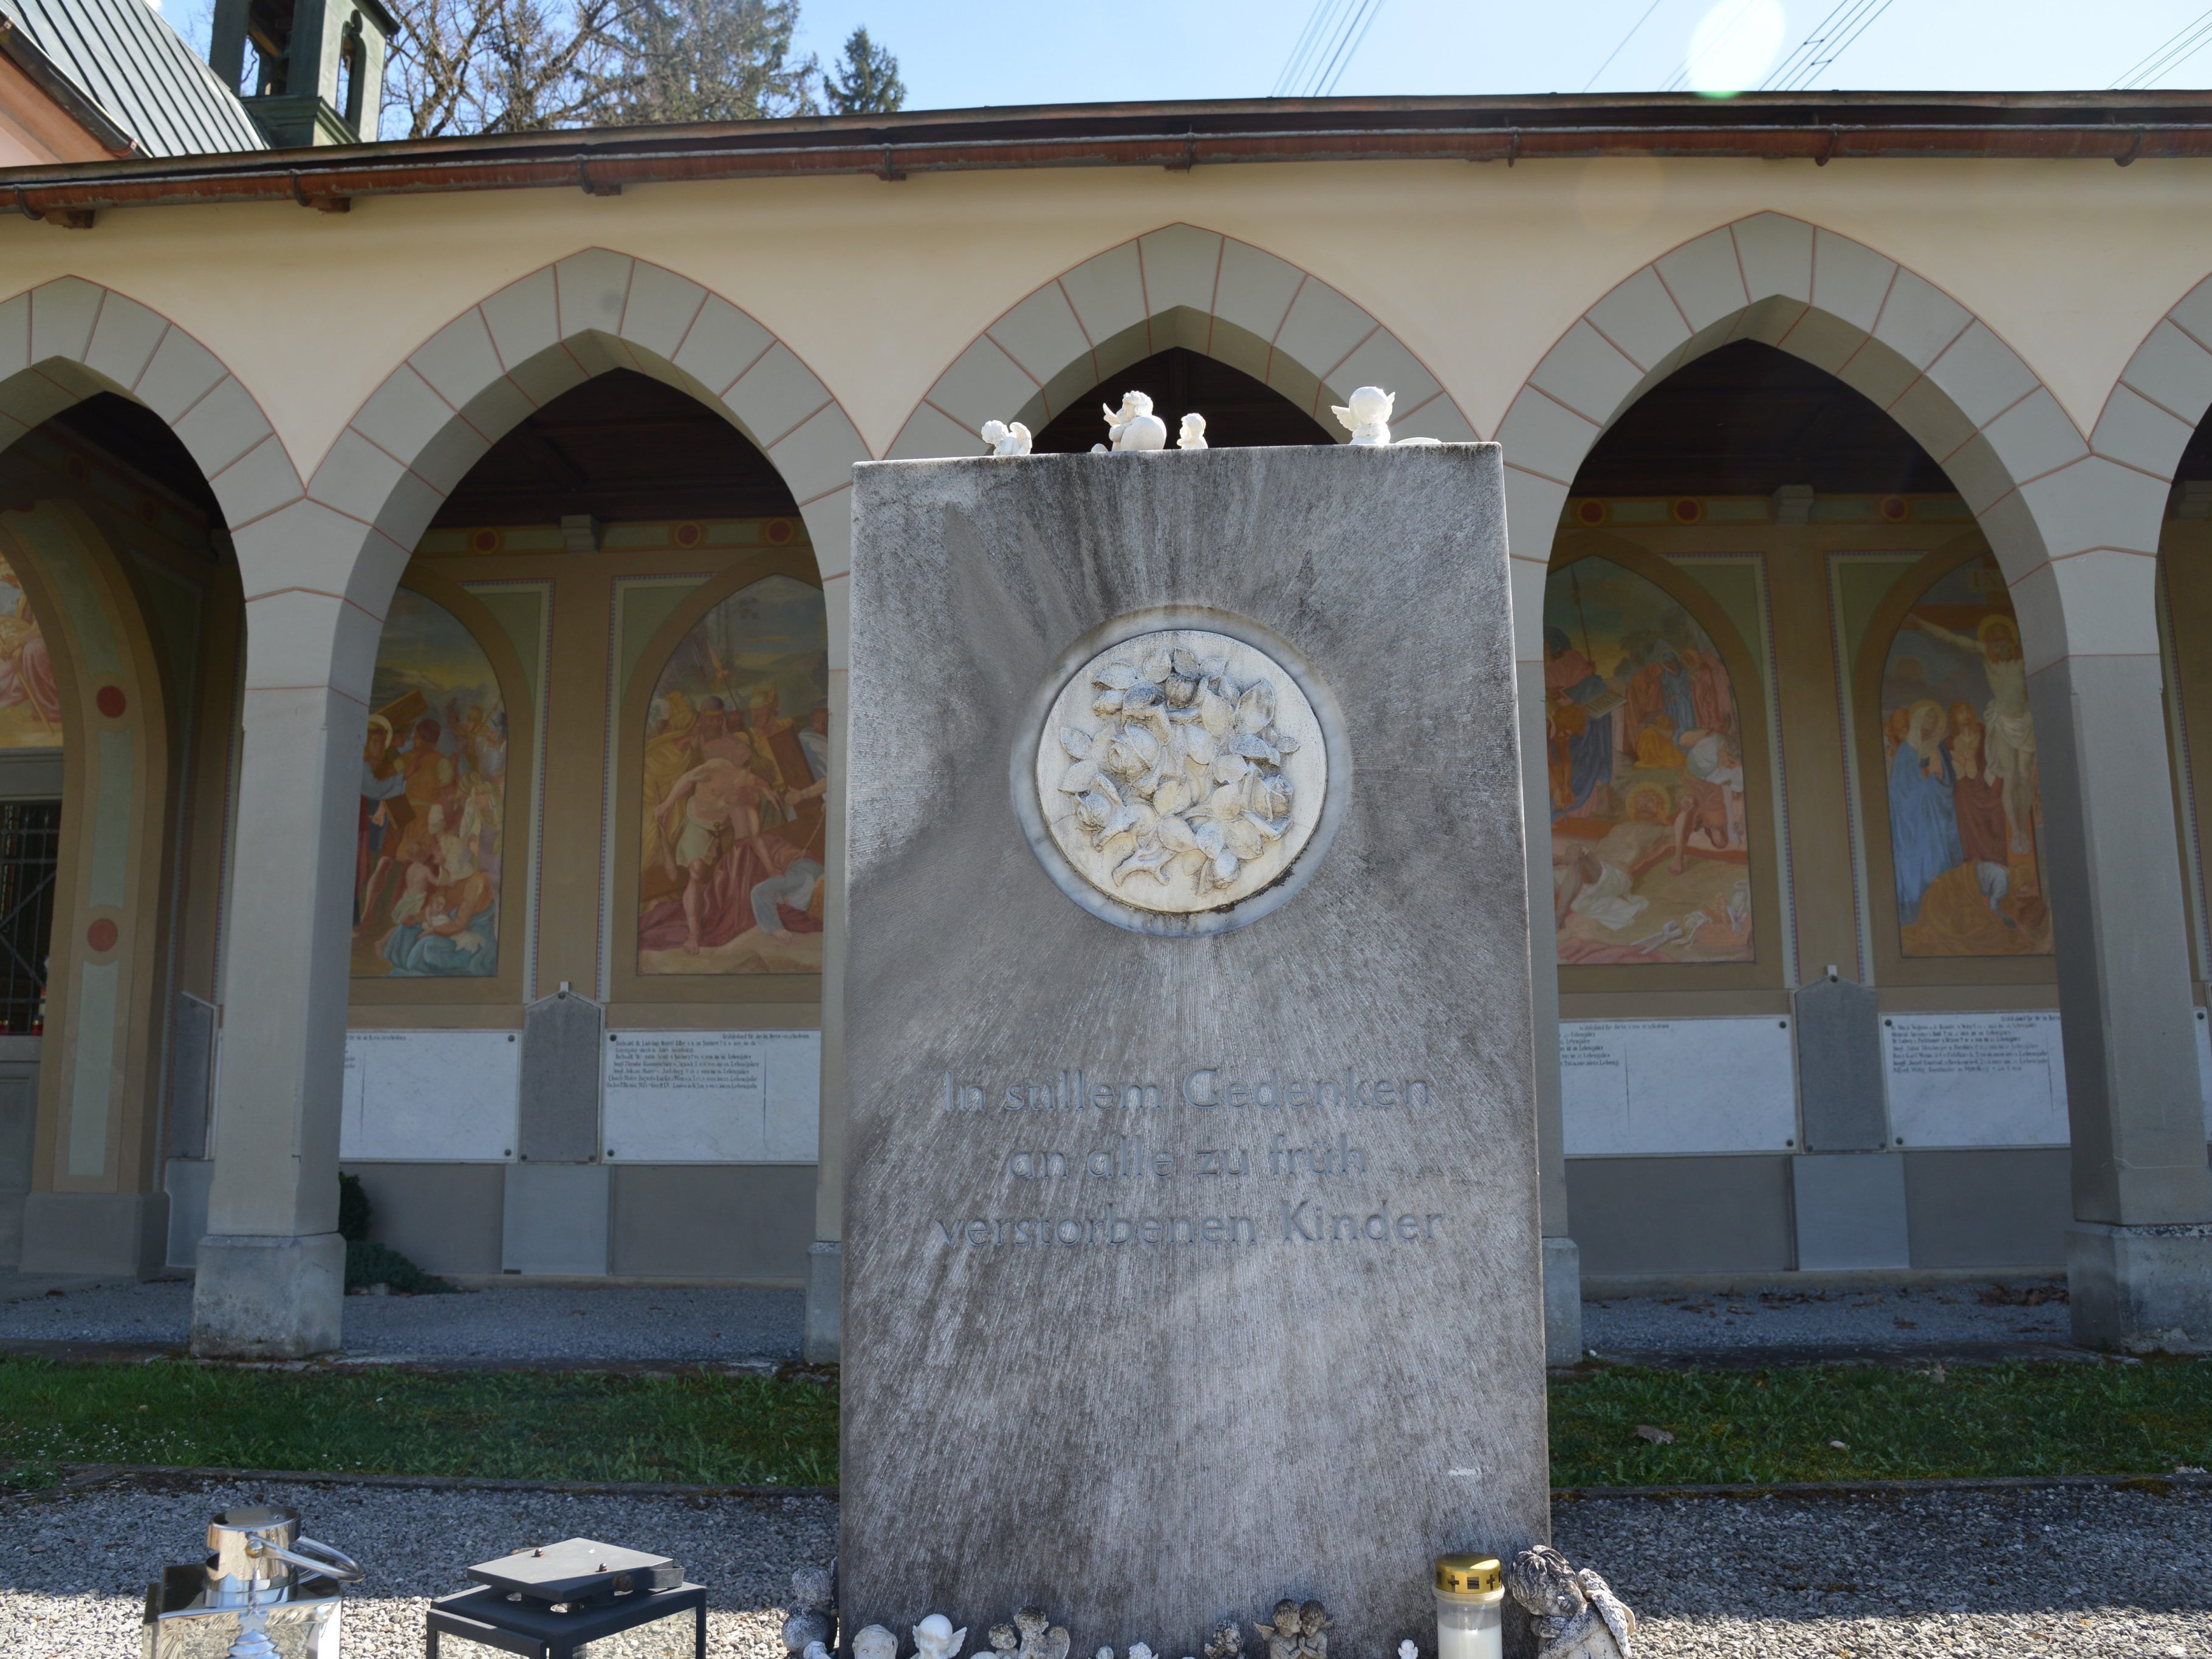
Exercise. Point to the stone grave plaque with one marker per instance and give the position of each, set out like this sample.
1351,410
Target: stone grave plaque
1191,1253
562,1036
713,1097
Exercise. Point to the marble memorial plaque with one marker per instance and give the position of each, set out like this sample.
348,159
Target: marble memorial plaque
1656,1087
1975,1079
713,1097
1217,1241
436,1097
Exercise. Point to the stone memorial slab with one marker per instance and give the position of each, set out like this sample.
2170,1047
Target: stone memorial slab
1975,1079
1839,1071
562,1037
434,1097
1662,1087
713,1097
1191,1253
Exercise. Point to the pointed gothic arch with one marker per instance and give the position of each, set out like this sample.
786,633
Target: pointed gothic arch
2044,496
1180,285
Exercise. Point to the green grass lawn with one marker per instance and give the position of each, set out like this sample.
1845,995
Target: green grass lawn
1762,1426
699,1427
712,1429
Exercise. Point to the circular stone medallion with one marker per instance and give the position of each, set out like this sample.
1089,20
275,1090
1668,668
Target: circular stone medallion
1181,771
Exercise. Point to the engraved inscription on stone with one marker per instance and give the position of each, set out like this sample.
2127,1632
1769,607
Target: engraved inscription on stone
1181,771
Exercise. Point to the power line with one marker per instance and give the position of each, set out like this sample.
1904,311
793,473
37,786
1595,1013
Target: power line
1325,48
1633,29
1348,49
2169,55
1296,63
1833,37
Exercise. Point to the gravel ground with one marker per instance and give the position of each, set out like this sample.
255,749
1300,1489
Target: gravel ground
2077,1571
1924,1316
724,1325
73,1574
2055,1572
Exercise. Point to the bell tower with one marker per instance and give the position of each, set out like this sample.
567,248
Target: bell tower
309,71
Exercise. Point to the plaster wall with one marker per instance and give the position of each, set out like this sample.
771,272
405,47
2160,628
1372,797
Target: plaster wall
1477,269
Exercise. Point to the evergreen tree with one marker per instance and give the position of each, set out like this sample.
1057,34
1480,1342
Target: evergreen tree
706,60
865,81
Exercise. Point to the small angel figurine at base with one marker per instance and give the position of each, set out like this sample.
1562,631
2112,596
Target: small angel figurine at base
1041,1639
1285,1637
1314,1623
814,1596
1193,436
1227,1641
1006,437
1576,1614
1407,1650
874,1642
935,1639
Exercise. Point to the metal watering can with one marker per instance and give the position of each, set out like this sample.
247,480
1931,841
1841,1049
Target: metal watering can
263,1592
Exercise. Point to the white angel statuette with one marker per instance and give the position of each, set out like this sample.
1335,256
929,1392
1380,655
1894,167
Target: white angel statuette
1139,1651
874,1642
1367,417
1407,1650
1007,437
935,1639
1133,426
1575,1614
1193,436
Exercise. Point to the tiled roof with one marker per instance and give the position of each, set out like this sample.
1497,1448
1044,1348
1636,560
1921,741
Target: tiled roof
129,60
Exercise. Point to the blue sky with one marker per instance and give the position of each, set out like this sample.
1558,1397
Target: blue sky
953,55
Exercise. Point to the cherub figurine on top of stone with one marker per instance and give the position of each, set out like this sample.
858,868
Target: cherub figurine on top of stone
813,1603
1367,417
1576,1615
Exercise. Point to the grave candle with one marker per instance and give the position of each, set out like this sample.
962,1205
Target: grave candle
1470,1608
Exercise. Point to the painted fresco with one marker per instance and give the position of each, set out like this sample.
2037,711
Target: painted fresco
737,765
431,840
1958,748
1643,738
30,705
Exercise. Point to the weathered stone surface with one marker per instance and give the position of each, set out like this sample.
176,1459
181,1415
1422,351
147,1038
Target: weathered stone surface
1085,1365
562,1036
1839,1068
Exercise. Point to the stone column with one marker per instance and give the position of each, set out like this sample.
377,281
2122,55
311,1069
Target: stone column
1532,509
271,1270
2139,1254
829,527
1563,1269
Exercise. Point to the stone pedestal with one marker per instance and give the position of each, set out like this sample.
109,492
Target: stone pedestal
1563,1302
259,1298
822,1343
2142,1290
1191,1249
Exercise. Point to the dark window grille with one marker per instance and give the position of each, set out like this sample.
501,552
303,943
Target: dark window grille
30,841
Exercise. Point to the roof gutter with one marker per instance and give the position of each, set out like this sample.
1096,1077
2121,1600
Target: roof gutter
26,55
604,161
